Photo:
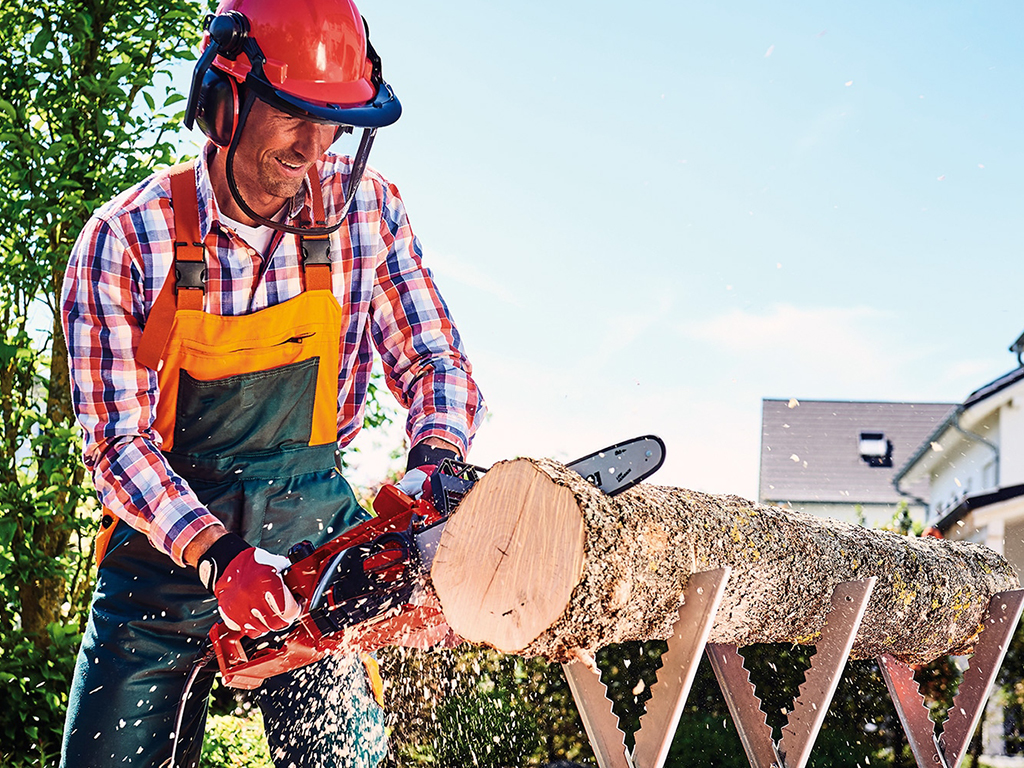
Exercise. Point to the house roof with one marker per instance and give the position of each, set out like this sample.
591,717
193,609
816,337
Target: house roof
979,501
977,396
994,387
810,449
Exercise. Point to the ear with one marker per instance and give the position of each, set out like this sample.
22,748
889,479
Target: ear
217,112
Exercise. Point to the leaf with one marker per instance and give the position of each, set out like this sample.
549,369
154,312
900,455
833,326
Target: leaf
8,527
41,41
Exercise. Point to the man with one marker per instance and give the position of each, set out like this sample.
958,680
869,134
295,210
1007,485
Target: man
221,320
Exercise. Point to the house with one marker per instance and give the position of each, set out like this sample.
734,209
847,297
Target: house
959,468
838,458
973,463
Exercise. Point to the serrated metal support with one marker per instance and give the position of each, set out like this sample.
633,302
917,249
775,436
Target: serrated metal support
678,667
701,600
948,751
849,602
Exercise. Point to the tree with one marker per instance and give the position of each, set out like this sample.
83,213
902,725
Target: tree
86,110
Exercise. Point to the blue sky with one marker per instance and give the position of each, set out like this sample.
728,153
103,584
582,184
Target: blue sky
647,217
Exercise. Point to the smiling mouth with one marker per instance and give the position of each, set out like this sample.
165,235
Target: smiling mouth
291,166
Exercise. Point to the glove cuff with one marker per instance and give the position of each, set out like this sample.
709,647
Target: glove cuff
421,455
215,560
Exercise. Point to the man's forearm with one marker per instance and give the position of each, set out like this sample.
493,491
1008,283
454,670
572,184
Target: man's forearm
202,542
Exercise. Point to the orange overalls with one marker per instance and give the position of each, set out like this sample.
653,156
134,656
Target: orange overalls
248,416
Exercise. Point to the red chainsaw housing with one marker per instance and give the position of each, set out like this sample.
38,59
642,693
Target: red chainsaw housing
419,626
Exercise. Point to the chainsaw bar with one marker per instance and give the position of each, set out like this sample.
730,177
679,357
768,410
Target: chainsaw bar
623,465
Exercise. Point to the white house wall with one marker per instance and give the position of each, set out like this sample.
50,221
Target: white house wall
1013,543
967,467
874,515
979,418
999,526
1011,443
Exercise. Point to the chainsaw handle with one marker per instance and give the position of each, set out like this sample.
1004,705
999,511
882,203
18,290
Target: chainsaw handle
227,644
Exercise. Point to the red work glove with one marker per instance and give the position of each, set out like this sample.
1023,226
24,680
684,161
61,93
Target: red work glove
251,595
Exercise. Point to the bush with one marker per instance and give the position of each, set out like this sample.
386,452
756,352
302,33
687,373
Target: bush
485,728
35,678
235,742
447,706
708,742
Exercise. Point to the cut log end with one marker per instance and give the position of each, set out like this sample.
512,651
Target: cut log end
510,558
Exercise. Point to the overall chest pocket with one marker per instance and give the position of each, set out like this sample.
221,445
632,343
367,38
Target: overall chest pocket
246,413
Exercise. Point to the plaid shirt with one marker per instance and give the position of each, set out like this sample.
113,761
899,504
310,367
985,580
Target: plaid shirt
118,267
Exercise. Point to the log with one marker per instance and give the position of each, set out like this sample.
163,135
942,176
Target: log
537,562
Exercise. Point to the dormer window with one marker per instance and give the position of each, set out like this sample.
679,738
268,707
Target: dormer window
875,449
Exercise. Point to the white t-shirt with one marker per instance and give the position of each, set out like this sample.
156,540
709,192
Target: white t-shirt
258,237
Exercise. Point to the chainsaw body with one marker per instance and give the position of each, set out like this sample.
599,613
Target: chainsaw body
360,591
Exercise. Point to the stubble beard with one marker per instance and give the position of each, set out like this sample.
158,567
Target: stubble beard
272,184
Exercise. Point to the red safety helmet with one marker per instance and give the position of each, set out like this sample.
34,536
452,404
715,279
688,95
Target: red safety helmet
310,58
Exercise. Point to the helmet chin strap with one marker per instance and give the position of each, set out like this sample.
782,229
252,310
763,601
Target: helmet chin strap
320,228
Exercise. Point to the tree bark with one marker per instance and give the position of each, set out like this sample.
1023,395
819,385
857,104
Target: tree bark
537,562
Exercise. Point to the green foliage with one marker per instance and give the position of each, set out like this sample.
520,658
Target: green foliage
471,706
708,742
84,113
35,679
487,727
628,671
902,523
235,742
1011,679
80,119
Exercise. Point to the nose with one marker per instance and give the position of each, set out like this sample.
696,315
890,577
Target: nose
312,139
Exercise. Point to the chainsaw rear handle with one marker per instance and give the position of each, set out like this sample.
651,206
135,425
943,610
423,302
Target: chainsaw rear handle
396,513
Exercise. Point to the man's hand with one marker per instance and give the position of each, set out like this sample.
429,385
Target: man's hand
416,482
423,460
251,595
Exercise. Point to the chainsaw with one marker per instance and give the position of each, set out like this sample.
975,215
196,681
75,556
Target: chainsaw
368,587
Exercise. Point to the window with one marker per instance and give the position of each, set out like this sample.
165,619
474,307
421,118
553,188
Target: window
875,449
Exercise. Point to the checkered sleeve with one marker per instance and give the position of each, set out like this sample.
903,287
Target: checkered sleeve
103,311
424,361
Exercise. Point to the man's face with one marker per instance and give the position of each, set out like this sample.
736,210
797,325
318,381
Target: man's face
274,153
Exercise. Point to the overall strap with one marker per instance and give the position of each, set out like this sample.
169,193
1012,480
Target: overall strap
184,287
316,251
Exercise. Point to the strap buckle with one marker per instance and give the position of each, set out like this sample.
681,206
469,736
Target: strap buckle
190,273
316,251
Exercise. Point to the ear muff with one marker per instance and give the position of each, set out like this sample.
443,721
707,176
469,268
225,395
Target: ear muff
217,107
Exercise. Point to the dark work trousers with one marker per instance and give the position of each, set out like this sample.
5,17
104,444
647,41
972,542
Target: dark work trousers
150,618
